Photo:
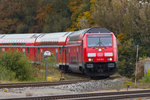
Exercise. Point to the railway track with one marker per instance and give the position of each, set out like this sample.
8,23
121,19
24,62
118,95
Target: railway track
91,96
39,84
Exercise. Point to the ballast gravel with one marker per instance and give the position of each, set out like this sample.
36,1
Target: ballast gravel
93,85
32,91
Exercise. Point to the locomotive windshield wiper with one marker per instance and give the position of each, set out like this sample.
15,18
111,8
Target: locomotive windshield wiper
100,43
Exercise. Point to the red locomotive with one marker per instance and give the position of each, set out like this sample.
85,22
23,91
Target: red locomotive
92,51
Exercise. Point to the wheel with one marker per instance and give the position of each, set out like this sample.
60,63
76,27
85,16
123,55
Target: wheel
66,69
106,76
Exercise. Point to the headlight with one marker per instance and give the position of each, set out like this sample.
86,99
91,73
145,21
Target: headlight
99,49
109,59
90,59
108,54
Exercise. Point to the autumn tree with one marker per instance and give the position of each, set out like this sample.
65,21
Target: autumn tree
81,14
27,15
54,16
9,10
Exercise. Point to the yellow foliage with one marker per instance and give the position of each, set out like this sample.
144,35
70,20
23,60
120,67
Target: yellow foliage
92,1
139,99
122,37
148,71
87,14
127,82
49,79
74,5
5,90
80,18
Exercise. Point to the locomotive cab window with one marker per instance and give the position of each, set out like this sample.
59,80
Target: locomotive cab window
100,40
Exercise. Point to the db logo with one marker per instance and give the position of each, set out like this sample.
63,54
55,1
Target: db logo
100,54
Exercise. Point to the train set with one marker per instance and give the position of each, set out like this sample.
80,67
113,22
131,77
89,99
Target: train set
92,51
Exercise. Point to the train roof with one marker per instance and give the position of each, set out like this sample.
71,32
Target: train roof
18,38
91,30
74,36
98,30
53,37
49,37
30,38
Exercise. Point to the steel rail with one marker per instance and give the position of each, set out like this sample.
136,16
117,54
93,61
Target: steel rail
114,97
39,84
91,96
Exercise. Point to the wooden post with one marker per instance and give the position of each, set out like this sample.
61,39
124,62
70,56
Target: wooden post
136,65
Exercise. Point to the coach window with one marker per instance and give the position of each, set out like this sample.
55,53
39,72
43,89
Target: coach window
41,54
23,50
77,55
35,51
28,50
59,50
57,55
3,49
38,50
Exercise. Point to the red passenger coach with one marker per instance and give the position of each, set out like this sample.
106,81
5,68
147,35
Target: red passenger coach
92,51
53,42
23,42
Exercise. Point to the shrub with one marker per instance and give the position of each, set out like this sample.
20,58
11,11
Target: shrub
6,74
126,61
15,63
146,78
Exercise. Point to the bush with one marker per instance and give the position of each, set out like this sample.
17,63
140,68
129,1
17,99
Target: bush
15,64
6,74
126,61
146,78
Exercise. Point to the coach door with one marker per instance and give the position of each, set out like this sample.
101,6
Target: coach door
57,56
63,54
67,53
42,55
69,56
77,55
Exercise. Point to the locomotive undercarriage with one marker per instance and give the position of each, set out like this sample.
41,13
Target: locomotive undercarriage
100,69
